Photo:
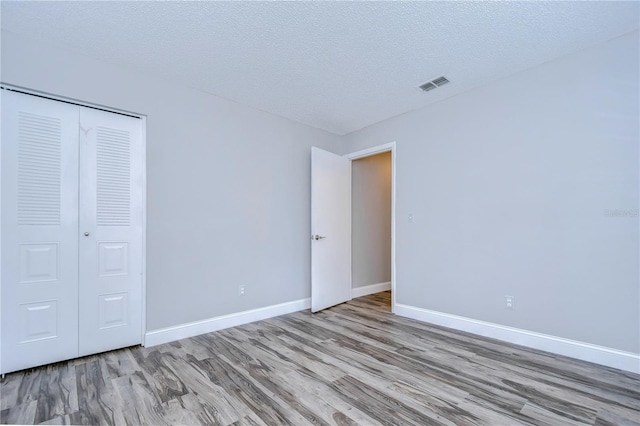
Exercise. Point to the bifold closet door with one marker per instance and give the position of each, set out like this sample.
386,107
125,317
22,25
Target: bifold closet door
71,231
110,295
39,231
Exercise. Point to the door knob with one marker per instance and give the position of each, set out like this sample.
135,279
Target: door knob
317,237
86,234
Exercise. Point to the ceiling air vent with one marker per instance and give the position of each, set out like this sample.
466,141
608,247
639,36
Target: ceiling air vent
434,84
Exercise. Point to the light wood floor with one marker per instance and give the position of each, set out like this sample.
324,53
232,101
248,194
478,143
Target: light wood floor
352,364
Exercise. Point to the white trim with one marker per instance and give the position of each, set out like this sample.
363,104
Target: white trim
393,228
143,323
371,151
370,289
1,96
169,334
391,146
73,101
558,345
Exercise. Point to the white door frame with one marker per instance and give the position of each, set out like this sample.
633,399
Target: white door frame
143,148
388,147
143,119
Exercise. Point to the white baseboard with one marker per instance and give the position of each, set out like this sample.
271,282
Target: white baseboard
370,289
585,351
182,331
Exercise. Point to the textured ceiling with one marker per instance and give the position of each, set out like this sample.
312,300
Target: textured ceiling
338,66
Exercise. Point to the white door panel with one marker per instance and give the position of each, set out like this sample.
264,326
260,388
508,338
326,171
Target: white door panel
331,229
110,231
66,171
39,231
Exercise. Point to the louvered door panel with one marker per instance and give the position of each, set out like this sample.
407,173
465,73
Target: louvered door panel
39,231
113,185
39,163
111,236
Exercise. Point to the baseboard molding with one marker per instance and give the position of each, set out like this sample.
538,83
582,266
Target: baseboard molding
182,331
370,289
584,351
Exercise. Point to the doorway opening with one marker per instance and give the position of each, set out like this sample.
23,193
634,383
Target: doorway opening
373,226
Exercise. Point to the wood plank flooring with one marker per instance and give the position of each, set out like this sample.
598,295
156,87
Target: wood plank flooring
351,364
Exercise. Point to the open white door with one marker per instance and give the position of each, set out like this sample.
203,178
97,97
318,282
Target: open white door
330,229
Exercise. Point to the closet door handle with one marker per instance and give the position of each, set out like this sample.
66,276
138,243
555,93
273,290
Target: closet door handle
86,234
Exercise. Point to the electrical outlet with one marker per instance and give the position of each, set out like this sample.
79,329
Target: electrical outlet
509,302
241,290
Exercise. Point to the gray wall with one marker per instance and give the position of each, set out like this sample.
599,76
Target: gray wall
228,186
371,220
513,186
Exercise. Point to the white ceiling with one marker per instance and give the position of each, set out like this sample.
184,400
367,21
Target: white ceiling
338,66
